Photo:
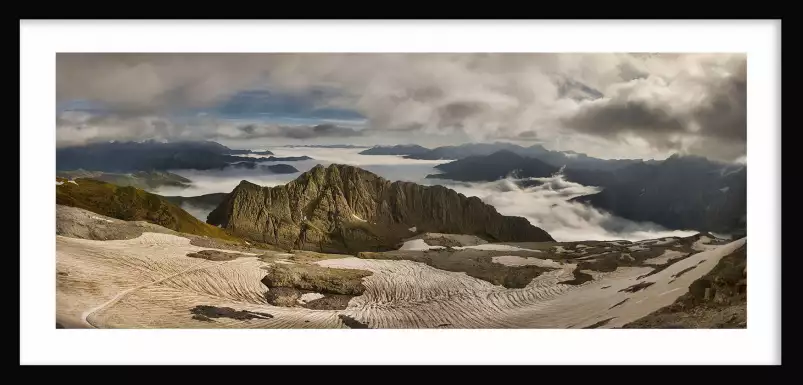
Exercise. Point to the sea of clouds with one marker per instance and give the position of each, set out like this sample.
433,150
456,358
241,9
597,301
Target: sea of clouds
545,202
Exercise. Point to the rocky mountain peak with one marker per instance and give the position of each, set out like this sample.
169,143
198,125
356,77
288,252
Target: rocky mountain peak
342,208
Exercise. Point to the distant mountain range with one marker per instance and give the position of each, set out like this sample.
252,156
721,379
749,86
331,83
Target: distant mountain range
147,156
285,158
681,192
325,146
254,165
238,152
554,158
400,149
479,168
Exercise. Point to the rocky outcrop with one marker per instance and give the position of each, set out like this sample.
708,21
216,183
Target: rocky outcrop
343,208
718,300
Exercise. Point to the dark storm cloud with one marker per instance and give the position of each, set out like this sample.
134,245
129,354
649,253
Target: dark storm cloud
248,129
456,113
608,118
334,130
723,114
707,109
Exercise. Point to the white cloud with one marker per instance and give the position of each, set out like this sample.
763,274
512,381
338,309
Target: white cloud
479,97
548,206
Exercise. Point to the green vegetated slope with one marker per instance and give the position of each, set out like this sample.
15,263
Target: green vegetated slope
132,204
139,179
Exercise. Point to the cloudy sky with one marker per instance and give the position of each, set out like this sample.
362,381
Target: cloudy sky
605,105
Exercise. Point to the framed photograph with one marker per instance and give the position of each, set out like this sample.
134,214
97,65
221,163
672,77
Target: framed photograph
527,192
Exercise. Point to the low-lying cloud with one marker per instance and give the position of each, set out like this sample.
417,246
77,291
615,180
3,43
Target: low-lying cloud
199,212
217,181
546,205
223,181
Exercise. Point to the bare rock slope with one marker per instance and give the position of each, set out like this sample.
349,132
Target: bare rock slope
343,208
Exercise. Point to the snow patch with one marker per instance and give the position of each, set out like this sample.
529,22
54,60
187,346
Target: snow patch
702,244
664,241
418,291
721,237
358,218
669,291
100,219
512,260
663,258
418,244
73,182
413,229
307,297
59,183
725,189
493,247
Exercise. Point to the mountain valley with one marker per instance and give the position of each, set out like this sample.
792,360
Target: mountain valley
342,247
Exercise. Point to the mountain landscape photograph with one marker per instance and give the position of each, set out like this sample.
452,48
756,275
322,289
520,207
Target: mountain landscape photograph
401,190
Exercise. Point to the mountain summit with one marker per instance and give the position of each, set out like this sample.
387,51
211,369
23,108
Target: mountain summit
343,208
